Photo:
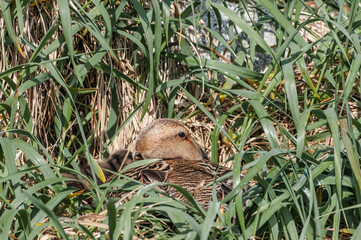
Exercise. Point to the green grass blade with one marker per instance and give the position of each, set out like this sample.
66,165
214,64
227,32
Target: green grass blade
334,128
209,220
53,218
351,153
64,12
357,234
267,124
291,91
149,38
5,9
215,65
252,34
6,223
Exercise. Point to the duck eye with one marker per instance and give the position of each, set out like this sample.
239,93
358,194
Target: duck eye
181,134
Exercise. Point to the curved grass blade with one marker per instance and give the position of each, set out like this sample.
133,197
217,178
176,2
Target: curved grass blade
216,131
352,76
47,207
178,218
53,218
357,234
5,9
208,223
149,38
194,100
252,172
20,17
291,91
334,128
21,198
351,153
215,65
9,151
6,222
267,124
306,230
35,157
252,34
64,12
158,31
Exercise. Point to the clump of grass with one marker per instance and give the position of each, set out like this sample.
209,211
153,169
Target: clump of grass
80,79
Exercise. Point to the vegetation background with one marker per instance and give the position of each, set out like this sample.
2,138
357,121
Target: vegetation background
79,79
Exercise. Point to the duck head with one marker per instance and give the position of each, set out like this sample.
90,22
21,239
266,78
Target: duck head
168,139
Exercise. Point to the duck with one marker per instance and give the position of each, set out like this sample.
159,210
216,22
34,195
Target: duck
182,162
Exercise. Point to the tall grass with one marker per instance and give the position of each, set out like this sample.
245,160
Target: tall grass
80,79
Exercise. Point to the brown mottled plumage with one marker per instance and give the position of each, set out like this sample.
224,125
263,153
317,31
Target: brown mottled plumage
184,163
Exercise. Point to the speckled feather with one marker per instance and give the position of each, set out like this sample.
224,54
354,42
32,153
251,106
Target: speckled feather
183,162
189,174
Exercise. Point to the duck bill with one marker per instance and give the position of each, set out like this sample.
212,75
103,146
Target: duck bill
200,153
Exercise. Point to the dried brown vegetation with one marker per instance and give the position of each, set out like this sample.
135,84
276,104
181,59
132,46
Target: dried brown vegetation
80,79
